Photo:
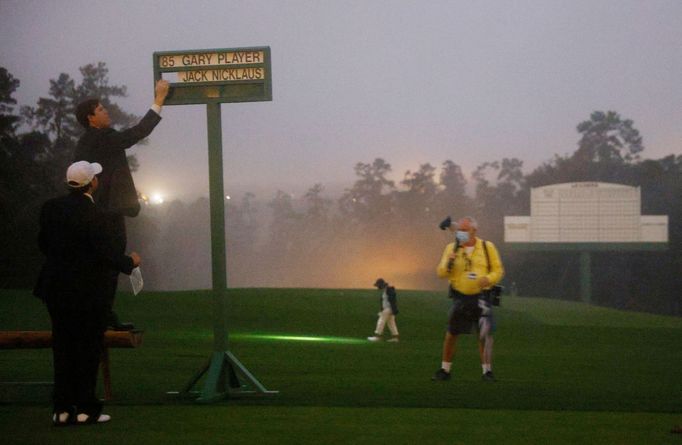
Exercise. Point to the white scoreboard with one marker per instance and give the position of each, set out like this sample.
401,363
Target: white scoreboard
586,212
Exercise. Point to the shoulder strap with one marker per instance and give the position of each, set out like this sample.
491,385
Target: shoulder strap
487,256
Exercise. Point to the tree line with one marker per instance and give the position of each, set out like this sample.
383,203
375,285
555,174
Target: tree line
376,227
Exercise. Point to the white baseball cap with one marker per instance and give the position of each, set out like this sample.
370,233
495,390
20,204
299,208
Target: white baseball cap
80,174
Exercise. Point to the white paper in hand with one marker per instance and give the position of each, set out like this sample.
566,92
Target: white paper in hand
136,280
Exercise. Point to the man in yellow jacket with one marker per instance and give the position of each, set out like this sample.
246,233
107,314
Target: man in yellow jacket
473,267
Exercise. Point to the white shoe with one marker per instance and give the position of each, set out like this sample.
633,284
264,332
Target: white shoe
84,418
393,340
374,338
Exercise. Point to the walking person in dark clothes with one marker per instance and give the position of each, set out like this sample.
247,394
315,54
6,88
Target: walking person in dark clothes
389,309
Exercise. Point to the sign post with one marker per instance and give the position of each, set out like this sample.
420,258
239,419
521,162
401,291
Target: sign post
212,77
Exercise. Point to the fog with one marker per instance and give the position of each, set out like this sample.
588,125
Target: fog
386,116
353,80
380,229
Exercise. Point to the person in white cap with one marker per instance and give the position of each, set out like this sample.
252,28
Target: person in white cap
77,243
107,146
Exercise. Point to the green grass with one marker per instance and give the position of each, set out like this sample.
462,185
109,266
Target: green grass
568,373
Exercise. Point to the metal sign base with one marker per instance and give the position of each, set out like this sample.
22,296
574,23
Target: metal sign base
222,381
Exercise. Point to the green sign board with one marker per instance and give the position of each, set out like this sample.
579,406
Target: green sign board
202,76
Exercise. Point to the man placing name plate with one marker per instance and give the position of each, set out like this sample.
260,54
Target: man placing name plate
116,194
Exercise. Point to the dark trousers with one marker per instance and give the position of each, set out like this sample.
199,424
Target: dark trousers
119,240
77,334
111,286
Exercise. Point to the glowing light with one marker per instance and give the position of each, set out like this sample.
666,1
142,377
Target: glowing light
305,338
156,198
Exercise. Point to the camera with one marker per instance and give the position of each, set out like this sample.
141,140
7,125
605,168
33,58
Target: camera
495,293
445,224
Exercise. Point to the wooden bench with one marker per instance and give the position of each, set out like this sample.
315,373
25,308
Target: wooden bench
43,339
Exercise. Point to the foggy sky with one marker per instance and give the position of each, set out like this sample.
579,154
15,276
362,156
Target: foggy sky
408,81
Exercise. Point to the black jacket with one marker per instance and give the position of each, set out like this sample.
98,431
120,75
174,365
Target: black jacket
107,146
75,238
392,299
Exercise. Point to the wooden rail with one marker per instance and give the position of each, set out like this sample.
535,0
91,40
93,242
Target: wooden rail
43,339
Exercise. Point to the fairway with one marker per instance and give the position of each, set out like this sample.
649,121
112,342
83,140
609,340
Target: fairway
567,373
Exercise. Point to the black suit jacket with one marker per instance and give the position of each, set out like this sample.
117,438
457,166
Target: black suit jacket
107,146
76,239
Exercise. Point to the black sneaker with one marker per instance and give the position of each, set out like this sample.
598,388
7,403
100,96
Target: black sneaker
441,375
488,376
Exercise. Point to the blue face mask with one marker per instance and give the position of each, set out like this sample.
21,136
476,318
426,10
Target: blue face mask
462,236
